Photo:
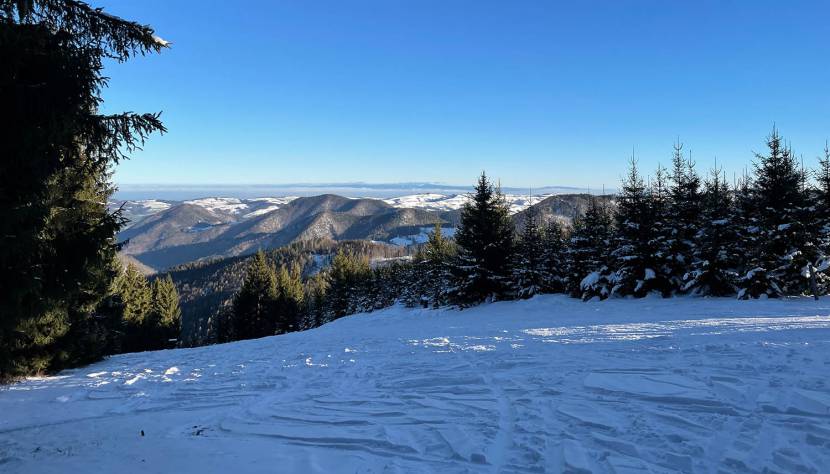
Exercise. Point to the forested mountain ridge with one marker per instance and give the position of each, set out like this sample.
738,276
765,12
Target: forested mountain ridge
208,285
225,227
188,232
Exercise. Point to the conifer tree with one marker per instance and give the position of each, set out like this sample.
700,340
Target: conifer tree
57,238
554,261
165,312
529,267
136,298
785,225
588,253
822,209
661,234
346,275
432,276
633,252
716,259
484,239
289,301
315,301
683,218
253,305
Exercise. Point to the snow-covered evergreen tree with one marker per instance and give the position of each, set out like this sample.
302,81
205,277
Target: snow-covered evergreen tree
587,253
822,213
482,269
529,270
716,259
785,225
683,219
432,264
661,232
554,259
634,250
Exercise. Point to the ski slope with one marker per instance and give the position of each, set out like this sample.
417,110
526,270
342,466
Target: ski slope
545,385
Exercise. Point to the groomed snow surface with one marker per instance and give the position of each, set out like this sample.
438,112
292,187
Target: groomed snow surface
546,385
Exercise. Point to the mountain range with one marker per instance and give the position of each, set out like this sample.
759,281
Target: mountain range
165,233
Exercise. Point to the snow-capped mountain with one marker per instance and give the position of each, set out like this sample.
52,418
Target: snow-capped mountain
233,208
223,227
238,209
452,202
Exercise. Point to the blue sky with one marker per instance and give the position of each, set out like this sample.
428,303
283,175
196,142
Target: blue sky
536,93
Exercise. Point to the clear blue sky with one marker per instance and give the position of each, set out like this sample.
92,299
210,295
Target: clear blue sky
536,93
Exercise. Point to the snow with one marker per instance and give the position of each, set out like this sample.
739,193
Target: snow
590,280
421,237
220,204
242,208
451,202
161,42
549,384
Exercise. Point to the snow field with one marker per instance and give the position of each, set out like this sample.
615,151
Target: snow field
545,385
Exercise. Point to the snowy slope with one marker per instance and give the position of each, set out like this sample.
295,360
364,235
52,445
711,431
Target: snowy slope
243,208
451,202
545,385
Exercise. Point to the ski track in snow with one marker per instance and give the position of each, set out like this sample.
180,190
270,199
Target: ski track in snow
545,385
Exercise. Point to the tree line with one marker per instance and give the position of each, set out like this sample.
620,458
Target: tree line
767,235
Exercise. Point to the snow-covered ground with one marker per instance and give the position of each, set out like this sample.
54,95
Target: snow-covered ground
245,208
545,385
450,202
421,237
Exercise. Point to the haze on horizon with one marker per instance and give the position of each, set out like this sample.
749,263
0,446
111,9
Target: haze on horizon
536,93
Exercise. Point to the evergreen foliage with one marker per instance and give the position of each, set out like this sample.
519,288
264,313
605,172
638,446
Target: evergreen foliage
529,268
345,278
634,248
683,219
165,312
289,301
430,274
587,254
662,235
715,257
254,305
482,268
786,241
56,235
554,257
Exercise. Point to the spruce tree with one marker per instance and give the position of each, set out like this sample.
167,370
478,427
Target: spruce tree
432,276
661,235
716,258
136,298
785,225
314,313
634,250
347,274
289,302
529,270
554,262
165,311
588,253
822,209
484,239
254,303
683,218
57,238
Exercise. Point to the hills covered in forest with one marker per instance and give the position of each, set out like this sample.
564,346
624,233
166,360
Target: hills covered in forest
162,234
